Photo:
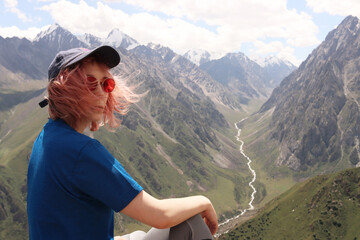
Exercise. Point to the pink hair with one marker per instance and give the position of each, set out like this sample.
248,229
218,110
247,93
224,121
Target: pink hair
71,99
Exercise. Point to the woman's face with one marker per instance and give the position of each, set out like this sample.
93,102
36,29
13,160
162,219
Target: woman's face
95,72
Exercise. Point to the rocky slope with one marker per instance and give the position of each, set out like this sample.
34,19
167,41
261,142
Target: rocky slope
316,111
247,78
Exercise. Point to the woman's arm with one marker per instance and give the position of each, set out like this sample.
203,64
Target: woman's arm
167,213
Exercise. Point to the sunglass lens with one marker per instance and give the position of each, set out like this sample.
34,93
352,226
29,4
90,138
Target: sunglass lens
108,85
92,83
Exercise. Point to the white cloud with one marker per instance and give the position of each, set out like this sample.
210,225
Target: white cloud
14,31
334,7
81,18
243,20
266,48
11,6
144,27
231,23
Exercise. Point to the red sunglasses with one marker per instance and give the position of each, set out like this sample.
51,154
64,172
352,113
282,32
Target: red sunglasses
107,85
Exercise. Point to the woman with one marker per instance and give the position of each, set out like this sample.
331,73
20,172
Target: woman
75,184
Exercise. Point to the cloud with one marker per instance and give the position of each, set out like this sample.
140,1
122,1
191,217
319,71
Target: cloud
11,6
144,27
334,7
81,18
214,25
242,20
14,31
266,48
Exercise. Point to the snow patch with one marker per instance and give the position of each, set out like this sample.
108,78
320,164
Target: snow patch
116,38
51,30
270,61
199,56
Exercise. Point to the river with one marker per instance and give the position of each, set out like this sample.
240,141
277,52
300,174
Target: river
251,207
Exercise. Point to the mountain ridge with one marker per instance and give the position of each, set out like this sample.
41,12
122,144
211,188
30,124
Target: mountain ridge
317,117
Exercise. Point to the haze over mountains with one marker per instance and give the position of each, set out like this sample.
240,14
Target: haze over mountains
183,127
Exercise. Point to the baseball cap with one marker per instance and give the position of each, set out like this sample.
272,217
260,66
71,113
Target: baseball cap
63,59
106,54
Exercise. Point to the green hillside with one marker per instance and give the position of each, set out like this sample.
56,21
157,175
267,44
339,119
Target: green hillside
20,123
324,207
172,146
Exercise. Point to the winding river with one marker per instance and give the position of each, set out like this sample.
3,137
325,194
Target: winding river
251,207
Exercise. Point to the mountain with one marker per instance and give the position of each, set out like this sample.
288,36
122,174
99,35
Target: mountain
198,56
249,78
271,61
17,55
196,79
176,128
277,69
316,111
115,38
240,73
118,39
90,39
324,207
57,39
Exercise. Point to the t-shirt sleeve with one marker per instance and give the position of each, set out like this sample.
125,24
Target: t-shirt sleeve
98,174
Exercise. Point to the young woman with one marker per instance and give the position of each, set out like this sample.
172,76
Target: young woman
75,184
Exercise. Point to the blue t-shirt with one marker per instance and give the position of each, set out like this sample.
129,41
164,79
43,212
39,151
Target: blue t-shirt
74,185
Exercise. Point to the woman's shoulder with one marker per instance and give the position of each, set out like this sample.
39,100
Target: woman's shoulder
57,134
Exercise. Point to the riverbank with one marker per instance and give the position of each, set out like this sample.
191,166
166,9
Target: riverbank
246,213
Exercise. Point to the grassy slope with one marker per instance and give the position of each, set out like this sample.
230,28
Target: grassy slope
158,177
137,150
264,152
25,120
325,207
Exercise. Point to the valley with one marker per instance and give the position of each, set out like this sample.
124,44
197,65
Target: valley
256,139
226,225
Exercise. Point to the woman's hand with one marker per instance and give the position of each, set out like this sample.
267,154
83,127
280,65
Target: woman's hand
210,218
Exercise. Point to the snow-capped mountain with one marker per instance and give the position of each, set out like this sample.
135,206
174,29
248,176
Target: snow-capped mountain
198,56
271,61
235,70
50,31
58,38
117,39
239,73
90,39
64,39
201,56
166,53
276,68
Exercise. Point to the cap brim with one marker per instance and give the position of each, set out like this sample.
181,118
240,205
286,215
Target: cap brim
108,55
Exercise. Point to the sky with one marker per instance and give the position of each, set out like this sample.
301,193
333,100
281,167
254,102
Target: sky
288,29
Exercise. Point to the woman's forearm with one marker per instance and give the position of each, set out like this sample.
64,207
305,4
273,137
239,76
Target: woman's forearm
177,210
170,212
